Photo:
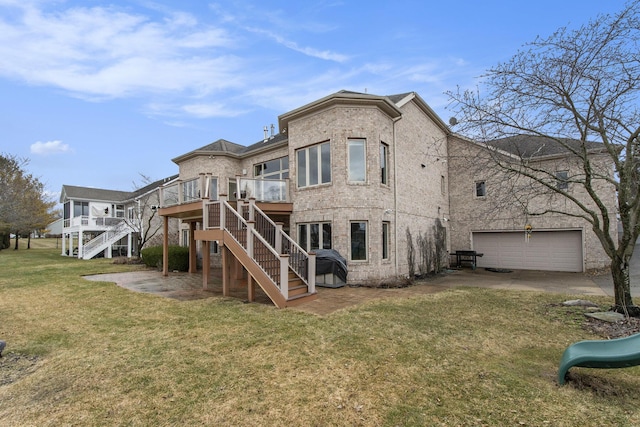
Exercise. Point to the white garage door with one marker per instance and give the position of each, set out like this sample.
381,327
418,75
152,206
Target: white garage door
545,250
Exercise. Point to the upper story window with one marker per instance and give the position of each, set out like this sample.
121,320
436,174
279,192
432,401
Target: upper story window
314,165
190,190
357,160
119,211
131,212
80,209
481,189
562,180
213,188
384,163
273,169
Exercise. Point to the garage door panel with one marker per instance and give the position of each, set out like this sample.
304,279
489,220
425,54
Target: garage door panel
545,250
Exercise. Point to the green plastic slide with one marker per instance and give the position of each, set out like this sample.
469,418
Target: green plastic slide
615,353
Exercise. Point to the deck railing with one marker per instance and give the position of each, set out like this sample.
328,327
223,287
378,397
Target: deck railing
264,240
188,191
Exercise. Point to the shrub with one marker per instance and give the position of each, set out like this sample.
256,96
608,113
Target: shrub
178,257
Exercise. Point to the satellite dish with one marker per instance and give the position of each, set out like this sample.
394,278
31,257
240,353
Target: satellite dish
453,121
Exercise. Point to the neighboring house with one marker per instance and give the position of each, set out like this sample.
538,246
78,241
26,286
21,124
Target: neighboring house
55,228
486,205
99,222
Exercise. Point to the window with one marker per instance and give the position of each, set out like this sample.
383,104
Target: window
214,247
190,190
213,188
185,238
443,188
384,163
131,213
119,211
80,209
385,240
359,241
273,169
562,180
357,160
314,165
481,189
316,235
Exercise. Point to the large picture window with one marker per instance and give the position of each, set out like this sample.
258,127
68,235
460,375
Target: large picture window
314,235
357,160
314,165
359,240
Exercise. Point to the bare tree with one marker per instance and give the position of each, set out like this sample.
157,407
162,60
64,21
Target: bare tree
146,222
578,91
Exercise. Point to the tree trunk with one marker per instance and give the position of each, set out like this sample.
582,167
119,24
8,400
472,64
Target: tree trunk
622,288
16,247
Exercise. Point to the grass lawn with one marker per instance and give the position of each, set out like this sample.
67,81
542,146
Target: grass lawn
91,353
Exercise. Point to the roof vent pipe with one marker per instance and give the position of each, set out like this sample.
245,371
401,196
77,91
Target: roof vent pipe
273,128
266,133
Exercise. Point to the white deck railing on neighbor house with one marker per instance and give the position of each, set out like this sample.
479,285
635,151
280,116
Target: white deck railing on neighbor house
109,237
86,221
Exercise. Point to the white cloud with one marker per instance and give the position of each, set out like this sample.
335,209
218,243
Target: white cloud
49,147
103,52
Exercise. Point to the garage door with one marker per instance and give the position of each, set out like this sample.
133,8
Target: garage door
545,250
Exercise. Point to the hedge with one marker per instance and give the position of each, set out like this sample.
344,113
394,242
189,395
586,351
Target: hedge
178,257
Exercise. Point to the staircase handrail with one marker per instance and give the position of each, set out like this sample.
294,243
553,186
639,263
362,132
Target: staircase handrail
248,244
298,257
104,237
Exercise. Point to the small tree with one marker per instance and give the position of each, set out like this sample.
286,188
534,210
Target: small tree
574,88
23,205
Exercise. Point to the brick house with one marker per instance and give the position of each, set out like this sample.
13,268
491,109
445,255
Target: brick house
383,181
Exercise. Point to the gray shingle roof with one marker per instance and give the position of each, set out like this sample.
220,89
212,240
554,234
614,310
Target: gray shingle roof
539,146
88,193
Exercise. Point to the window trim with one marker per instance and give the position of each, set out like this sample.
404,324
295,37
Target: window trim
562,183
386,240
366,240
384,163
362,141
483,183
318,163
306,244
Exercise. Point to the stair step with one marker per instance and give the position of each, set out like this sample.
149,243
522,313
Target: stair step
301,299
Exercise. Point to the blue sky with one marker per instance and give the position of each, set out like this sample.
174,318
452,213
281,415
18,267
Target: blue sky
98,93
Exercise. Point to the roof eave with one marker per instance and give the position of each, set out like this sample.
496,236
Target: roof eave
340,98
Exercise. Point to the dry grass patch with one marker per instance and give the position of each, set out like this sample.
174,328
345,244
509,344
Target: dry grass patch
107,356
